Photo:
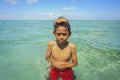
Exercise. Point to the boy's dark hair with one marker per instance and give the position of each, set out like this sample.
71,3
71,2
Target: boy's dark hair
62,22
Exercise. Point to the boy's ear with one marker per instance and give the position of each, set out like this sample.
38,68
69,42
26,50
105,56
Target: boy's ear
54,33
70,33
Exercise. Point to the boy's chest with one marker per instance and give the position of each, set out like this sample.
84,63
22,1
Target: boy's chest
61,53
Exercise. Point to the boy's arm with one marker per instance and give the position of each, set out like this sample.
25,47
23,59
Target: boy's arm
48,53
74,58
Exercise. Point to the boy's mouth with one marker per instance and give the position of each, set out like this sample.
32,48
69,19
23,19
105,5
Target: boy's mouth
61,40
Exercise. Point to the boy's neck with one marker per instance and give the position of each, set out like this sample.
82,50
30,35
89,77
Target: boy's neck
62,46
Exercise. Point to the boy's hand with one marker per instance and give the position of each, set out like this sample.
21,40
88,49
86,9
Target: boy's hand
60,65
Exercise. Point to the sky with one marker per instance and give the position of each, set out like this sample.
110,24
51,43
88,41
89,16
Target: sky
51,9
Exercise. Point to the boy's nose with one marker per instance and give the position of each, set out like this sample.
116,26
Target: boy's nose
61,36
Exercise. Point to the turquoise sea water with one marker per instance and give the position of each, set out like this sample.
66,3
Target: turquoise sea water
23,47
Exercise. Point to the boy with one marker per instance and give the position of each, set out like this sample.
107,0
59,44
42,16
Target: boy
60,53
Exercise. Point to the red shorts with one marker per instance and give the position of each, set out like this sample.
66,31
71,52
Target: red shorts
66,74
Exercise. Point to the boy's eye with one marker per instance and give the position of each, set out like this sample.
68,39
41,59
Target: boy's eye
59,34
64,34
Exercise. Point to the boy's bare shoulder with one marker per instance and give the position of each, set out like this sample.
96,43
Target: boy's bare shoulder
51,42
72,45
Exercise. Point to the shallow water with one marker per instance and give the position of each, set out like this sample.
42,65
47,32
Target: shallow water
23,47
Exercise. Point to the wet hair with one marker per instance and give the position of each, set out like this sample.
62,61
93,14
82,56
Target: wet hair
62,22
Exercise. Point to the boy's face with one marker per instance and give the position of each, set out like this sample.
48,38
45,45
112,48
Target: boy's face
61,34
